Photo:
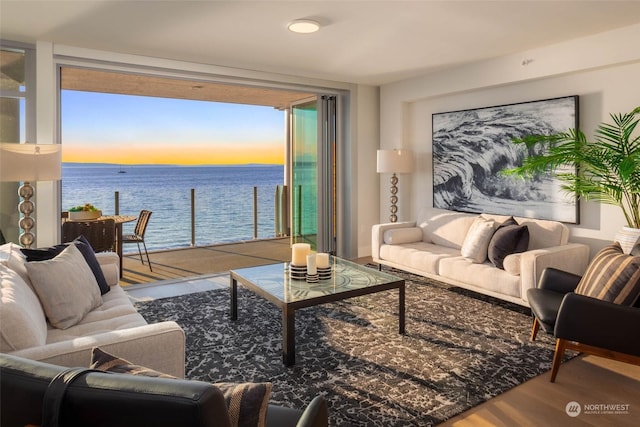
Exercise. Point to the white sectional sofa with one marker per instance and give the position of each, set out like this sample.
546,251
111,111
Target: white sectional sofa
114,325
433,246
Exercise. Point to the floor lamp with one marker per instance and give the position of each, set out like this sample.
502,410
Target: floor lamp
29,163
394,162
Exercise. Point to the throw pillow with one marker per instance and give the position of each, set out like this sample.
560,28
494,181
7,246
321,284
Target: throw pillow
66,287
612,276
21,316
246,402
81,242
508,239
12,257
476,243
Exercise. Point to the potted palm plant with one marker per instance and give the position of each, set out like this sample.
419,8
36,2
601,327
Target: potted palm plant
608,168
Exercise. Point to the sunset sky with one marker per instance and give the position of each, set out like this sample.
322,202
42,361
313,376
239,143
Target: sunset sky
125,129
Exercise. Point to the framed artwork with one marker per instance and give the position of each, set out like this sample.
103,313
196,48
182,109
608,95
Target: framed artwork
471,147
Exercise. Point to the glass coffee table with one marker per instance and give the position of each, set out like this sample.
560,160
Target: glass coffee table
348,280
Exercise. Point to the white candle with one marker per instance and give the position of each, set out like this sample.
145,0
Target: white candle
299,252
311,264
322,260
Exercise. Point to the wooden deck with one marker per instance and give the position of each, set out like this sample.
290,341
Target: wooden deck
186,262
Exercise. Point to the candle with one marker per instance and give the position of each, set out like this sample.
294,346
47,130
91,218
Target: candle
311,264
322,260
299,252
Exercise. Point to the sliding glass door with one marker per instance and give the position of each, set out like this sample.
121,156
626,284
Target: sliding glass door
313,173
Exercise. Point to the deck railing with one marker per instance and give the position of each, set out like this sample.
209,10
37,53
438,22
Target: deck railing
281,213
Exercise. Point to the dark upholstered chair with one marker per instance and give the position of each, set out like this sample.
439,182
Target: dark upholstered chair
138,234
101,234
101,399
581,323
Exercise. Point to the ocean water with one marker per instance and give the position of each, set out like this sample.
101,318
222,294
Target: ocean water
223,199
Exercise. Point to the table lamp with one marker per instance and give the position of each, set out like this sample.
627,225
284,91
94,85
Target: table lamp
394,162
29,163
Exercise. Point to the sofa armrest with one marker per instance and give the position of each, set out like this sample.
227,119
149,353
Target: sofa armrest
110,264
572,258
377,235
159,346
599,323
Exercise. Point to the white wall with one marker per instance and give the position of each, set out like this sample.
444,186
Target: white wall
603,70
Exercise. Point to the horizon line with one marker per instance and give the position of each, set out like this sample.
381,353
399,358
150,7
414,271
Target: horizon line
172,164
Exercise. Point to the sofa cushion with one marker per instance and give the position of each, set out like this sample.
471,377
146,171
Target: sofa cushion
483,276
445,228
476,243
545,233
21,315
81,242
398,236
419,256
508,239
612,276
246,402
66,287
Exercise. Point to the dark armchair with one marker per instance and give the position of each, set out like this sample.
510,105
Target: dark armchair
582,323
108,399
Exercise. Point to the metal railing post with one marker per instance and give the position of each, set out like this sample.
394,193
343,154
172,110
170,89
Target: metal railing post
276,208
255,213
284,209
117,203
193,217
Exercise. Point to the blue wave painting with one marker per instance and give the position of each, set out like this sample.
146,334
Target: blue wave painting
471,147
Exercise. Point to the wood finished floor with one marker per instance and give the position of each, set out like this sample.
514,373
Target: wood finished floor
587,380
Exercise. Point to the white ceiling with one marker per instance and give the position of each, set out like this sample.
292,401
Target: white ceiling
369,42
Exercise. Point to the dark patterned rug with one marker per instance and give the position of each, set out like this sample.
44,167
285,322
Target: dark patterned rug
460,350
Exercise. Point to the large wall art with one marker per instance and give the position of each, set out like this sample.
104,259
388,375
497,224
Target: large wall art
471,147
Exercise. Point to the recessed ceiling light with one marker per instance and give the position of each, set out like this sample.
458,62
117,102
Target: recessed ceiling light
304,26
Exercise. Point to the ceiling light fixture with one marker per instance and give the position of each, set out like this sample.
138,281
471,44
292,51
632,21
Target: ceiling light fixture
303,26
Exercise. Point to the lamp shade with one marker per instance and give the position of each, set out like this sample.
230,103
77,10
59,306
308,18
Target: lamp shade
395,161
30,162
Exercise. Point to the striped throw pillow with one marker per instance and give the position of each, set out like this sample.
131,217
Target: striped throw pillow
612,276
246,402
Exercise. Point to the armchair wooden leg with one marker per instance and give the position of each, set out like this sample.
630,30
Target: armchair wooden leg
561,346
535,328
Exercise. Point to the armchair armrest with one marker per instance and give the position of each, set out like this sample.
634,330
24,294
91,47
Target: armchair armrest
572,258
559,281
377,235
599,323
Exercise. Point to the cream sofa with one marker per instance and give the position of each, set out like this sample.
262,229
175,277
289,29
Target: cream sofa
114,325
431,247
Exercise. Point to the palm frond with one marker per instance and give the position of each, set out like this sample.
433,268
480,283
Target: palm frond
608,168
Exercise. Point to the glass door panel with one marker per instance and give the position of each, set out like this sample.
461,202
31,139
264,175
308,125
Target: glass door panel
304,173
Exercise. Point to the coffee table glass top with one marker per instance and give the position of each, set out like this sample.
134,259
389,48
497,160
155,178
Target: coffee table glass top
345,276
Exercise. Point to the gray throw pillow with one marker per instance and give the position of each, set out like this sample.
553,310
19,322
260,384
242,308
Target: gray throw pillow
66,287
83,245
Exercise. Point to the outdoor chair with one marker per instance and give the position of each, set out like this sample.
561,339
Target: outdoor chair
138,235
101,234
604,325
